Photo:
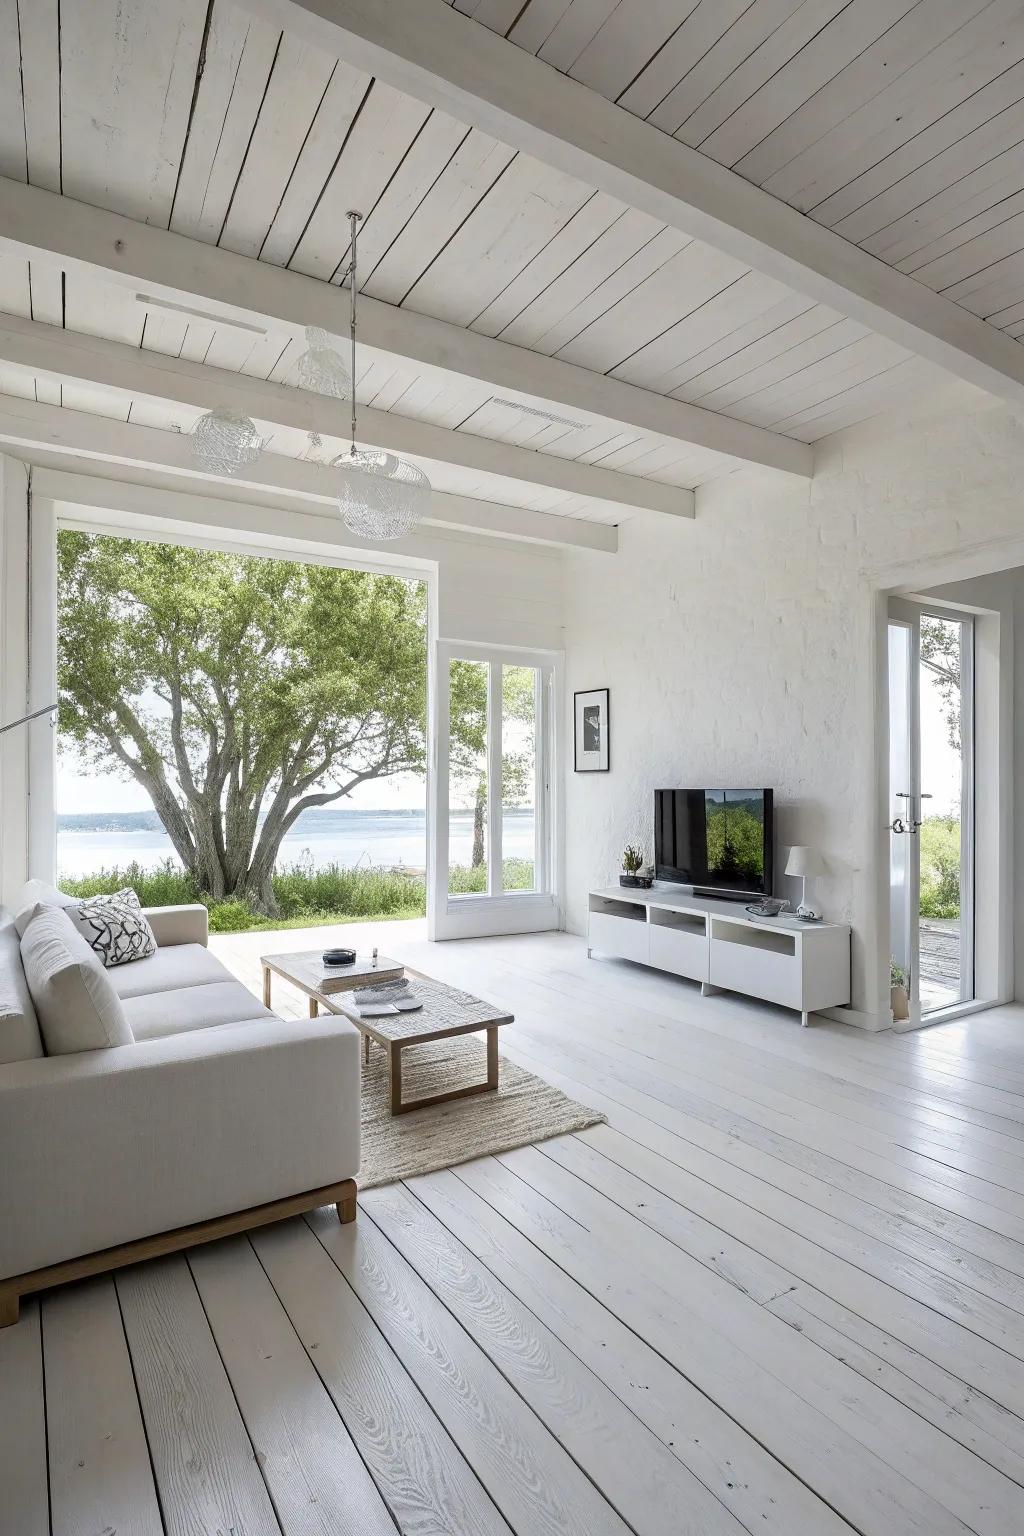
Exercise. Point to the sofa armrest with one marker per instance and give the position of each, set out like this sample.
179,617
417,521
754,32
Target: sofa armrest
187,924
103,1147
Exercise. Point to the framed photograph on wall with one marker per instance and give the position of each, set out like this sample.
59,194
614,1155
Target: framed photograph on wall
590,733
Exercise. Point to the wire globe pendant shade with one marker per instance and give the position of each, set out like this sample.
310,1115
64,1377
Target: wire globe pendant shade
224,442
321,369
380,495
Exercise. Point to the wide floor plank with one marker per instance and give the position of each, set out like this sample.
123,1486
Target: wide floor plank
25,1500
316,1477
633,1469
204,1462
100,1474
528,1474
428,1486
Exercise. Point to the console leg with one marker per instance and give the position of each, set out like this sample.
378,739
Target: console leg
590,953
805,1019
708,989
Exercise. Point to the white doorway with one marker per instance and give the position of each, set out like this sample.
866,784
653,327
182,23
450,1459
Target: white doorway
932,805
493,864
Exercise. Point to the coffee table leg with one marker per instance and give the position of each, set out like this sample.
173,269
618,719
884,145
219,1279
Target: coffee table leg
313,1009
266,986
395,1074
492,1057
366,1050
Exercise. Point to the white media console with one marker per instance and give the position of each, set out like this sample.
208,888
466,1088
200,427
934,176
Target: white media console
805,966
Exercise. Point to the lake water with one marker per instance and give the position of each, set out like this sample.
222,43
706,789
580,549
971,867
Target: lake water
323,837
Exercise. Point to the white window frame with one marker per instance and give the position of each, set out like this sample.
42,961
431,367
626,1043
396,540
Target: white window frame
498,911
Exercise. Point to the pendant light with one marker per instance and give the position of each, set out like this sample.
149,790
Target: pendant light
224,442
380,496
321,369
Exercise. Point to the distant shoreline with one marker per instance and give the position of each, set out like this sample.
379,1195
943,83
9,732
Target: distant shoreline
149,821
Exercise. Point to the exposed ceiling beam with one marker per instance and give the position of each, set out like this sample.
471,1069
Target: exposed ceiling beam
36,223
428,50
47,351
32,427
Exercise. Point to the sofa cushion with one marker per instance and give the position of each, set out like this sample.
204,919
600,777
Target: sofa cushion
115,927
78,1009
20,1039
177,965
185,1008
35,893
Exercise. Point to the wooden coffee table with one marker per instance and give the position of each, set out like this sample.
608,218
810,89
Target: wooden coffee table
446,1012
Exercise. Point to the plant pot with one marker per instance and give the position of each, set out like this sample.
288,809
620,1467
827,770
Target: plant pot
636,882
899,1002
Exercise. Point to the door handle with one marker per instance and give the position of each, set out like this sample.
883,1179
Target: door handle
910,826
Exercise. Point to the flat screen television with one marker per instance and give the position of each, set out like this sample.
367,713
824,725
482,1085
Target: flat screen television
720,841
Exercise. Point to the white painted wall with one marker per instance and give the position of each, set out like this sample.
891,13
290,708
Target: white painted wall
741,648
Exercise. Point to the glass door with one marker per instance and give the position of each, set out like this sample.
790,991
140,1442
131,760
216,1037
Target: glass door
493,864
931,806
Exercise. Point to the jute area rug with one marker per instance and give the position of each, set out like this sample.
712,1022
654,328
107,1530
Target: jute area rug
524,1109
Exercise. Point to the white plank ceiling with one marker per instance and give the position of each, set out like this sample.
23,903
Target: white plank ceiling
898,124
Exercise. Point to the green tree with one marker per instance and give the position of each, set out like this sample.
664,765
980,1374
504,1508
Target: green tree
735,840
940,655
239,692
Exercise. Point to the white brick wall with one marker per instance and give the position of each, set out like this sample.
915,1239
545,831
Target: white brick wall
738,647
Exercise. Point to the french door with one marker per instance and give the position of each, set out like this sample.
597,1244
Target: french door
492,856
931,805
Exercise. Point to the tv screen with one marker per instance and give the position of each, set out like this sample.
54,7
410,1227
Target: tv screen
715,839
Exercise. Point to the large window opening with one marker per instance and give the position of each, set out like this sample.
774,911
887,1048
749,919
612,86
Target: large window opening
246,731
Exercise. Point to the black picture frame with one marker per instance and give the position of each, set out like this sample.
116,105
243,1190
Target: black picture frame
591,709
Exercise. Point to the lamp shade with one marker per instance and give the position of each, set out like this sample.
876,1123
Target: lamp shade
805,861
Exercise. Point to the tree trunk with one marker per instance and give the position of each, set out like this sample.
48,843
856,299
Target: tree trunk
479,822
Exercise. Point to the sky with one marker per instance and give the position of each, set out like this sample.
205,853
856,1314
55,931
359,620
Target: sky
940,764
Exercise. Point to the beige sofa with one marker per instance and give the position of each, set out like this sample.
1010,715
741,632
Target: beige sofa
218,1116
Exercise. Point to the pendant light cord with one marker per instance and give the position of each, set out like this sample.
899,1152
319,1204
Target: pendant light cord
353,220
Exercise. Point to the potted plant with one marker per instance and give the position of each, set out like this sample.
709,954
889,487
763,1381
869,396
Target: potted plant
634,873
899,999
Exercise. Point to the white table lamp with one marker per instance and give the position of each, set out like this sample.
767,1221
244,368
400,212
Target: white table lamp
807,863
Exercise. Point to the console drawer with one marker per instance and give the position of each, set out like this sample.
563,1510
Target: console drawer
683,951
765,965
623,936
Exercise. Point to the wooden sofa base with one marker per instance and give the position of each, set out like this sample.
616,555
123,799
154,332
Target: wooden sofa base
342,1195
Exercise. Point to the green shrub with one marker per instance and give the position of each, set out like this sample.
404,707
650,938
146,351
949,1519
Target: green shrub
306,897
166,885
940,866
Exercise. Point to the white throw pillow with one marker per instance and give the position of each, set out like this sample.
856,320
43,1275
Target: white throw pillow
75,1001
37,893
115,927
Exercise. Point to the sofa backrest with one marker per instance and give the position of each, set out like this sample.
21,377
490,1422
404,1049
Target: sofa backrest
20,1039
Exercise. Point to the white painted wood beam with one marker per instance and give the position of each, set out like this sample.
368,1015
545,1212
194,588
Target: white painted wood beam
39,224
30,428
47,351
431,52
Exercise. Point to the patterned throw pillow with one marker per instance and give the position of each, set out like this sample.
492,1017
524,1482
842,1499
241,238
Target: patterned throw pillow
115,926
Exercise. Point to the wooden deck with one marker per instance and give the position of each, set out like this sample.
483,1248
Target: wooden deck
781,1291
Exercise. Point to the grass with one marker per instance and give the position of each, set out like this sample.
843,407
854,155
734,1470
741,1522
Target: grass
471,880
940,866
306,897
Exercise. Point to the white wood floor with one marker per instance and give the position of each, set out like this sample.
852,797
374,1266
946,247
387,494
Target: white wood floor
781,1292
